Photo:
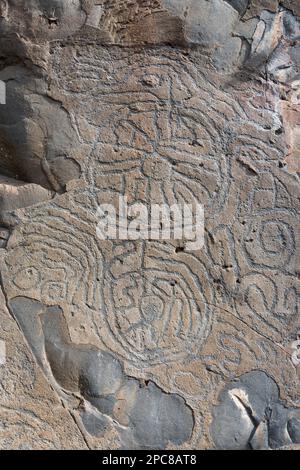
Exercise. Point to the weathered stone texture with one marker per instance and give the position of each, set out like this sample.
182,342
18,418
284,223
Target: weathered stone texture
144,344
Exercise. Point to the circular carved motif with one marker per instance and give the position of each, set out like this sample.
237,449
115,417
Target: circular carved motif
157,314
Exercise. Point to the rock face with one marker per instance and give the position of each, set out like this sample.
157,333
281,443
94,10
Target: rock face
136,342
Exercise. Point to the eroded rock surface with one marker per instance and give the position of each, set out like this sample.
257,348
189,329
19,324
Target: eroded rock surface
144,343
251,415
31,415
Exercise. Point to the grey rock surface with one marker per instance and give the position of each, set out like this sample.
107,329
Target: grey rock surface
251,416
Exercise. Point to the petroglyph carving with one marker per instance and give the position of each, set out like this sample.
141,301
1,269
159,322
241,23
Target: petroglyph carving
250,415
139,339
